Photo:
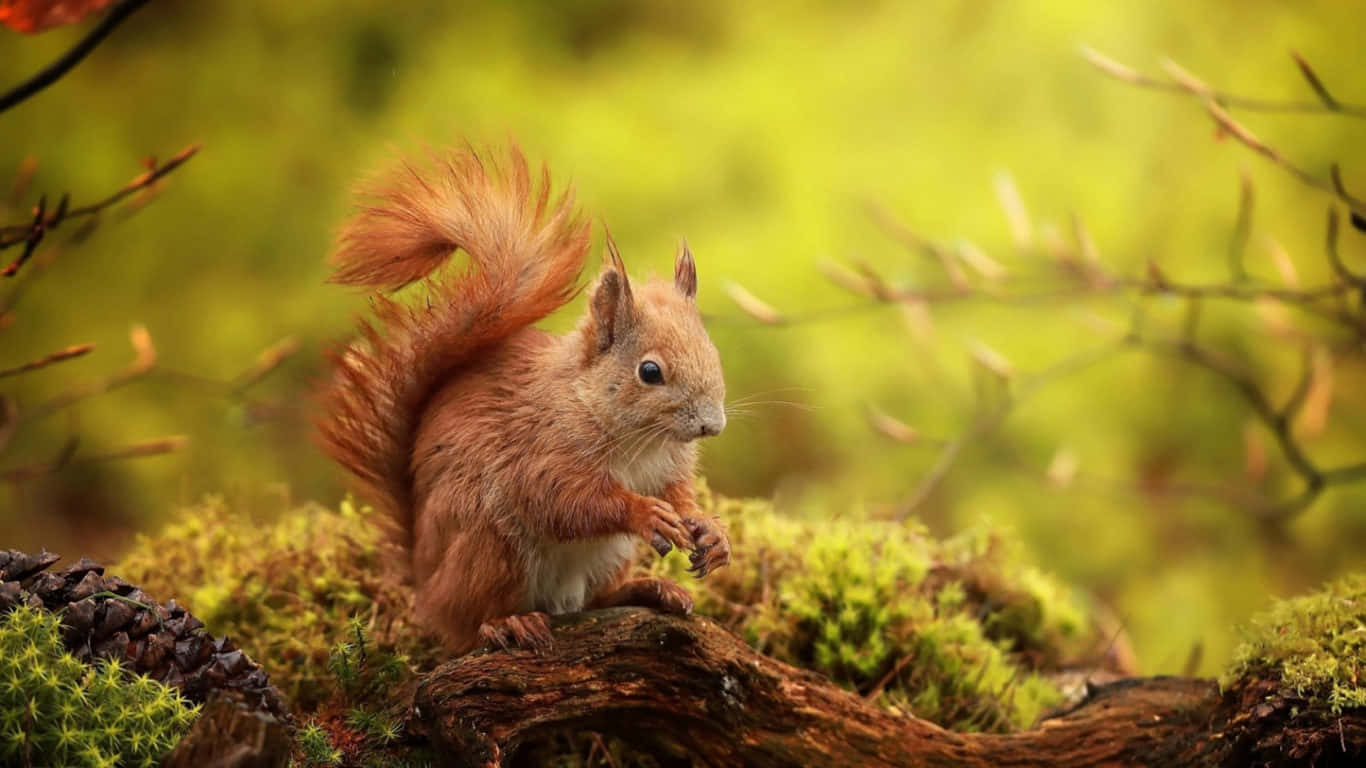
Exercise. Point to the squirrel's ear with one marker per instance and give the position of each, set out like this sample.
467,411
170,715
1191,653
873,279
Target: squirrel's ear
685,271
612,302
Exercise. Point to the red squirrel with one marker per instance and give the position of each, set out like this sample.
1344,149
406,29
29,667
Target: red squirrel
518,466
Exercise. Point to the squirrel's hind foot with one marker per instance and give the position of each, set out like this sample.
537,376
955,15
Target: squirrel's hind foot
660,594
528,630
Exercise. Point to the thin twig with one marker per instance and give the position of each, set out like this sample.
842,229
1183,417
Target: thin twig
144,449
54,71
987,420
144,361
43,223
1335,258
1129,75
266,362
43,362
1332,185
1242,228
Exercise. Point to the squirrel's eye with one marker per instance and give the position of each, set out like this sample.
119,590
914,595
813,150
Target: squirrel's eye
650,372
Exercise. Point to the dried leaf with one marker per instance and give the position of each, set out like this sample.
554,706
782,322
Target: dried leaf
33,16
1254,452
1317,404
915,313
846,278
753,306
1014,208
992,361
1110,67
1275,316
1284,266
891,426
1086,245
1054,245
1062,470
980,262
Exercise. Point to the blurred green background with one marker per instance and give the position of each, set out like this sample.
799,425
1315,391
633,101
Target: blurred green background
761,131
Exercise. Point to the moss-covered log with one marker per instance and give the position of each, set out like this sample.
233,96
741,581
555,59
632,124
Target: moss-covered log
686,686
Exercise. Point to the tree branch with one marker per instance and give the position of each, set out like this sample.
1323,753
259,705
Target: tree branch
686,686
1325,105
54,71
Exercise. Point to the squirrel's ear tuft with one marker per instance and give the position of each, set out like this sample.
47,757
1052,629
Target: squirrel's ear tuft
685,271
612,257
612,304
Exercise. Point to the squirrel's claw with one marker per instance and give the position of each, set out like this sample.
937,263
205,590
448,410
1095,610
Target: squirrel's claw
529,630
658,523
711,548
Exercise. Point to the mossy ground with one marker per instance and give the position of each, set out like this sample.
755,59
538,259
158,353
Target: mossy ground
55,710
1295,693
954,631
1313,646
288,591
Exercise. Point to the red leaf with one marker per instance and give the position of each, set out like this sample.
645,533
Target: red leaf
33,16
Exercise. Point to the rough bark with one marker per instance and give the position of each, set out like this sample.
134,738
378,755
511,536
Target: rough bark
686,686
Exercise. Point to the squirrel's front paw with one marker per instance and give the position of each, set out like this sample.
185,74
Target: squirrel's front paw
711,548
529,630
656,521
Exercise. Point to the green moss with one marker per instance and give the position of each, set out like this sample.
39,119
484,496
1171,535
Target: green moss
955,631
1313,647
56,711
288,592
314,747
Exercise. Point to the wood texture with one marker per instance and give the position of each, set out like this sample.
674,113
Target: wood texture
686,686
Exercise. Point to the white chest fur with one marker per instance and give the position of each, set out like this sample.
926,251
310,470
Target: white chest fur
564,576
650,470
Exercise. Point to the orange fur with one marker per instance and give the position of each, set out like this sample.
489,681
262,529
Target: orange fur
516,465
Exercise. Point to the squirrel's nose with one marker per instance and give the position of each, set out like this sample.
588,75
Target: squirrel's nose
711,424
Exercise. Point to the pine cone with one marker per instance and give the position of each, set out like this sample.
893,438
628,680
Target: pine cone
106,617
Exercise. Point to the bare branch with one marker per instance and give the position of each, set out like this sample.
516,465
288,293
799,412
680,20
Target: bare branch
1312,77
43,362
914,242
1332,185
54,71
144,360
69,457
271,357
1131,76
1334,258
43,222
1242,229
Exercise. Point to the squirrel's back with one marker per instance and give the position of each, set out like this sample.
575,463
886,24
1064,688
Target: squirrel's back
525,252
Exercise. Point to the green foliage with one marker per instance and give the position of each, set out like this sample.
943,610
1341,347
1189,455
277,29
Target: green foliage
956,631
313,747
56,711
1314,645
307,595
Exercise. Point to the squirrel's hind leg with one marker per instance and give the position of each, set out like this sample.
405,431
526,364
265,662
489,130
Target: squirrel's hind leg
527,630
661,594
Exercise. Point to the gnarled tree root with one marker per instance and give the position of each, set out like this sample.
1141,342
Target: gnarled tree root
685,685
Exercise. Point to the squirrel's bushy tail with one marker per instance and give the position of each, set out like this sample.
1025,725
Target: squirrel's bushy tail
526,253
